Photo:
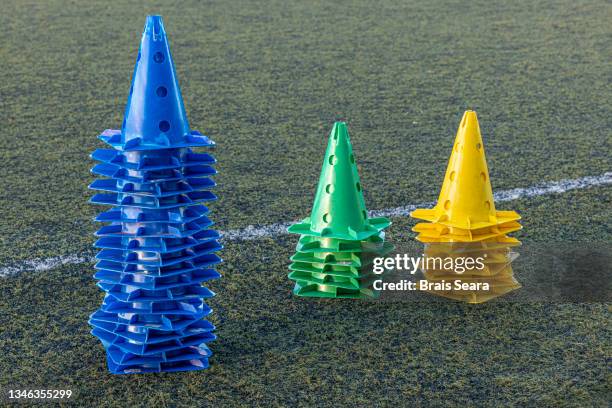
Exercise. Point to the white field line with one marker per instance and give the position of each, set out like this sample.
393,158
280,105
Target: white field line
555,187
252,232
43,264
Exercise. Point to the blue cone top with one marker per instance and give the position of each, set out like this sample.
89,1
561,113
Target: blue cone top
155,115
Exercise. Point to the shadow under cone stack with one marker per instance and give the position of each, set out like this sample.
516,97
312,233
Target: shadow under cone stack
156,248
465,223
338,241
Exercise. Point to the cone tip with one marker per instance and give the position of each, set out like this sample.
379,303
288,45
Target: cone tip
339,130
469,122
469,117
339,126
154,25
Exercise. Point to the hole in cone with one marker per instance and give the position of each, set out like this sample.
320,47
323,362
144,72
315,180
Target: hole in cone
158,57
164,125
161,91
332,160
447,204
326,218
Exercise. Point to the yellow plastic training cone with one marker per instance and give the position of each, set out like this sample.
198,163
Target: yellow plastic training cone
466,198
465,224
443,233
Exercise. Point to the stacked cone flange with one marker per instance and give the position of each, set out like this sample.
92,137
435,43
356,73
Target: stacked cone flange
339,240
465,224
157,247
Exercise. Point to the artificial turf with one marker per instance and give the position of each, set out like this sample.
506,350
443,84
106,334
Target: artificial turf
276,349
266,80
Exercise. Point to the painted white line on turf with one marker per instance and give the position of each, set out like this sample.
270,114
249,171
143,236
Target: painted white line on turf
252,232
554,187
45,264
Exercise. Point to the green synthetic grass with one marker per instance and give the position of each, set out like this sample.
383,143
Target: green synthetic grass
266,80
276,349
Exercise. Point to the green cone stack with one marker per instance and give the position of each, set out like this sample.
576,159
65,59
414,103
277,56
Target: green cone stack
338,241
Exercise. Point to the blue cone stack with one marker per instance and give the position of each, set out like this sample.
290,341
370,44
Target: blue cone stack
156,249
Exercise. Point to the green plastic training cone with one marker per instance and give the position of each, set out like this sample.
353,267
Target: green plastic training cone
316,245
339,242
339,209
334,270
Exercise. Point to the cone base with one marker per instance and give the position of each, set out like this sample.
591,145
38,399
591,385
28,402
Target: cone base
474,286
443,233
308,244
303,289
329,280
113,138
324,270
192,365
372,227
434,215
475,298
500,243
346,273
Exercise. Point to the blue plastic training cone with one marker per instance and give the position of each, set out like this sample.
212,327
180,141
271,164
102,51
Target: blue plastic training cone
157,247
155,115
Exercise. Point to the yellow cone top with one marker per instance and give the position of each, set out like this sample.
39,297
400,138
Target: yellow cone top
466,198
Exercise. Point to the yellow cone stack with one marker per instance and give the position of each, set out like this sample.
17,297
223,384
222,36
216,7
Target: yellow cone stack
465,223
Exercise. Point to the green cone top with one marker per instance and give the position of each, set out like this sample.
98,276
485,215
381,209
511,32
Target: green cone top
339,209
